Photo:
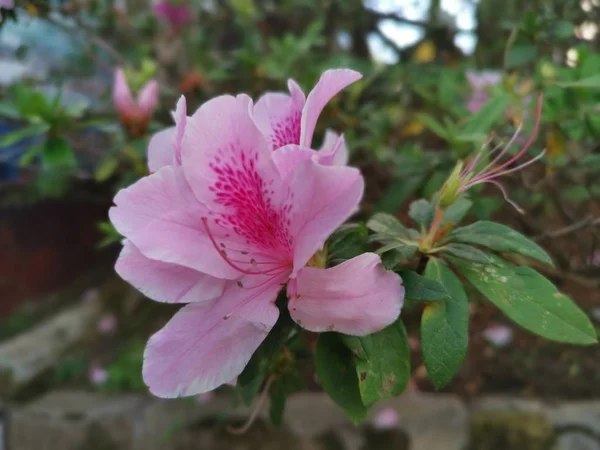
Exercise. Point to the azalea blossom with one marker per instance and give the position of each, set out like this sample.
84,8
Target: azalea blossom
466,176
135,112
480,82
175,13
97,375
386,419
498,335
224,226
285,120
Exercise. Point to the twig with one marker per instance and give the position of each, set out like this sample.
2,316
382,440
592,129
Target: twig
255,409
587,222
395,17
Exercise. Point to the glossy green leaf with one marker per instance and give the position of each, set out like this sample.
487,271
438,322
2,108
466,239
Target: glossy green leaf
499,238
530,300
335,368
456,212
392,258
382,362
422,288
465,252
388,225
445,326
421,211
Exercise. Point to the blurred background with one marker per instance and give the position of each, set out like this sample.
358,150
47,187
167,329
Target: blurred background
439,76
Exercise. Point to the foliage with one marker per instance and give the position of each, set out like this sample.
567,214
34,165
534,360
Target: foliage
408,126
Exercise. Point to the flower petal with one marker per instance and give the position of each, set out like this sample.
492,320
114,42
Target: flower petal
221,138
148,98
208,344
324,198
160,149
358,297
333,152
163,219
277,116
330,83
122,98
164,148
166,282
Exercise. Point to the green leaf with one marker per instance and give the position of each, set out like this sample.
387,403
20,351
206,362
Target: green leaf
563,30
348,241
590,82
394,257
480,123
106,169
465,252
422,288
252,377
421,211
434,125
23,133
444,326
399,192
336,372
456,212
58,153
530,300
520,55
499,238
388,225
30,154
382,362
277,398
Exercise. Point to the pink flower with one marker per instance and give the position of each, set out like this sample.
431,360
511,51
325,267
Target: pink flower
135,113
176,14
285,120
480,82
498,335
386,419
107,324
225,230
97,375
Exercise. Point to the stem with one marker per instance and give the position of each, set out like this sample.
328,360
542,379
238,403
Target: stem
255,409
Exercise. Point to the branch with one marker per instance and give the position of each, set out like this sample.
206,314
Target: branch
587,222
393,16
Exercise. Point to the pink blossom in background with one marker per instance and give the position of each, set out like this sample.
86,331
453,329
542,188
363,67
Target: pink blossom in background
176,14
386,418
498,335
480,82
225,225
135,112
6,4
107,324
97,375
205,397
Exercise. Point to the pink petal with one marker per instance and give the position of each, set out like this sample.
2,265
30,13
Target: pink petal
288,157
165,282
160,149
148,98
180,122
160,215
164,148
324,198
278,115
330,83
122,98
221,137
386,419
358,297
207,344
333,151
